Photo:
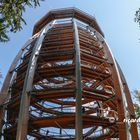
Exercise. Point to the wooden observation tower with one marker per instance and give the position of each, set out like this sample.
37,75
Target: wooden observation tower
64,84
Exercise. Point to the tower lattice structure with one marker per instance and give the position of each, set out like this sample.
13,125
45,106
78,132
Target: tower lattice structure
65,84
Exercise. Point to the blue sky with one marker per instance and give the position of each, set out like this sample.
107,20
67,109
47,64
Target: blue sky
116,19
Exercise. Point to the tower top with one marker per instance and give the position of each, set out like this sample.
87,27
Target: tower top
67,13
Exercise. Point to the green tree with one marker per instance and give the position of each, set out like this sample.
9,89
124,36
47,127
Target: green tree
11,16
136,94
137,16
137,102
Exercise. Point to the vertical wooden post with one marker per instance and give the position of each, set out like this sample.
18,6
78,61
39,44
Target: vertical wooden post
28,83
79,126
134,131
124,133
6,83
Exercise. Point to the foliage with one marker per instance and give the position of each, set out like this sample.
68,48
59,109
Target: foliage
137,103
136,94
137,16
11,16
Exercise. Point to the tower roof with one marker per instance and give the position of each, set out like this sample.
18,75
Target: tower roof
67,13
